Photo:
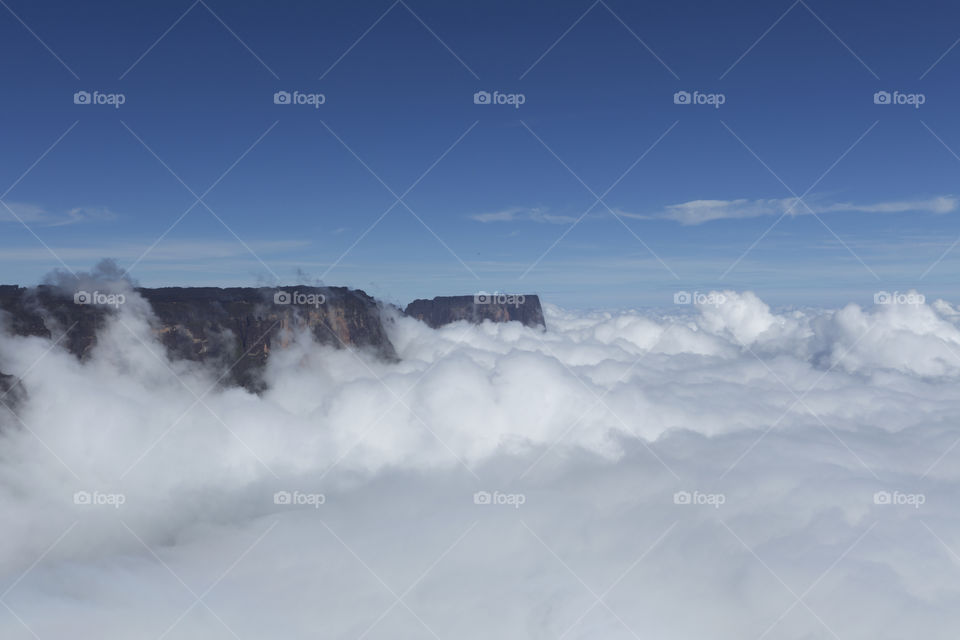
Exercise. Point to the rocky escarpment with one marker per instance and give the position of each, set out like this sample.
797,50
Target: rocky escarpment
477,308
239,326
232,329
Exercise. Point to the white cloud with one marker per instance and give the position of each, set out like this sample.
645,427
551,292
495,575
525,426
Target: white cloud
523,214
697,212
33,214
597,422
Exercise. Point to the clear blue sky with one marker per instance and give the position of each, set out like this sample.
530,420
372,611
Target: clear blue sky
502,184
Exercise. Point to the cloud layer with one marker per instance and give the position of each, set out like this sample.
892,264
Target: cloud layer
723,471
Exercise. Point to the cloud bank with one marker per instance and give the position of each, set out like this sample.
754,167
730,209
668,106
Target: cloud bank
722,471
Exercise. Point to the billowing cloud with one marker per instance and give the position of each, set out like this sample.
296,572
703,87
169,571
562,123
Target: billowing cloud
697,212
724,471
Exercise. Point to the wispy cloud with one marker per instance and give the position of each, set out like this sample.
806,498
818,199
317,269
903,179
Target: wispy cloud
523,214
34,214
697,212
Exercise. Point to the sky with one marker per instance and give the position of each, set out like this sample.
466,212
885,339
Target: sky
807,151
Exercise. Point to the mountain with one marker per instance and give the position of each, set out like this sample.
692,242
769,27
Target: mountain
477,308
234,329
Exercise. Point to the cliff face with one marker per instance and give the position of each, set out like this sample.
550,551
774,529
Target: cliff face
233,329
241,325
476,309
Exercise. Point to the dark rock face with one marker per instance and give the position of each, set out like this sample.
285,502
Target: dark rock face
233,329
237,327
476,309
8,388
45,312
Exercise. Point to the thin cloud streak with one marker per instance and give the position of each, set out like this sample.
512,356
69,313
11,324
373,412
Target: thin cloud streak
40,216
696,212
523,214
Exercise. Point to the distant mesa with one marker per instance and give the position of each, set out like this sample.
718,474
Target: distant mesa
234,329
437,312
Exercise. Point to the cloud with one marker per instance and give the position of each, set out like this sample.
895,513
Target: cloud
522,214
819,429
700,211
33,214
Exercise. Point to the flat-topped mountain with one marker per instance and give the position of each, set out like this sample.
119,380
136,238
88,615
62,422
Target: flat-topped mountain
234,329
477,308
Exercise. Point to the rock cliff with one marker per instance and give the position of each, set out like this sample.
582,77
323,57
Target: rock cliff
234,329
493,307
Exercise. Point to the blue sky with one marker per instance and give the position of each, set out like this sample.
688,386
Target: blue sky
500,197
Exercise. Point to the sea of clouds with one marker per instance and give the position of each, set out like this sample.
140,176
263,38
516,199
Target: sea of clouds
721,471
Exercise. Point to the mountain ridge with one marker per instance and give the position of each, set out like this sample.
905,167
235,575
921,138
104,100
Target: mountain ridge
234,328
